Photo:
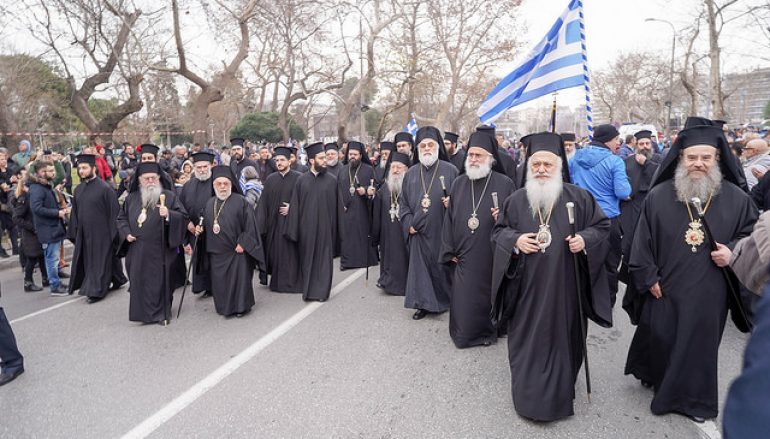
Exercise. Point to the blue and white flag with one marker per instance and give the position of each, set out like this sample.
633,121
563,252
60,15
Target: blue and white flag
411,127
557,62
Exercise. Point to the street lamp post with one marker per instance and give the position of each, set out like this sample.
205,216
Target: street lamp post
669,103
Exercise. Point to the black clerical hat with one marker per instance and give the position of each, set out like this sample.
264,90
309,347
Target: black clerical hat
354,145
314,149
149,148
148,168
430,132
486,129
203,156
86,158
403,136
644,134
701,135
225,171
568,137
237,141
550,142
452,137
282,150
331,145
693,121
400,157
484,141
387,146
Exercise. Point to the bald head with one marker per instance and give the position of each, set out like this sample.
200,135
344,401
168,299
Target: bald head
755,147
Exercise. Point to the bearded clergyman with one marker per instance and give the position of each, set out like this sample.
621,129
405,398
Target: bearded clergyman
151,224
194,196
685,285
386,226
473,209
535,294
231,243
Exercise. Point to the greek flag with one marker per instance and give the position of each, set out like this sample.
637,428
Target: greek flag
557,62
411,127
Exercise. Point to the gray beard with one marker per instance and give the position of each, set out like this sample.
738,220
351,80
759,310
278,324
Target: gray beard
542,196
688,188
223,194
203,177
332,162
479,172
150,196
395,183
428,161
383,163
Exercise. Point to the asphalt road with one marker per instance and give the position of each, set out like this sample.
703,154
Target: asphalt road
356,366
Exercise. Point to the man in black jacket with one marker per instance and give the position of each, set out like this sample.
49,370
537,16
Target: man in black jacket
49,222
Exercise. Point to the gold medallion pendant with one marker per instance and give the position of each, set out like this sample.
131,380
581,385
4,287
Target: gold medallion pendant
473,223
142,218
216,229
352,190
543,237
393,213
694,236
425,203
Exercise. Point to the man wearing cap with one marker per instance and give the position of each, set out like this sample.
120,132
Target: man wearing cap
194,196
386,148
272,219
232,245
473,208
355,184
332,159
425,197
93,230
640,169
265,165
569,140
534,290
405,145
148,214
598,170
456,155
313,225
238,159
386,226
680,279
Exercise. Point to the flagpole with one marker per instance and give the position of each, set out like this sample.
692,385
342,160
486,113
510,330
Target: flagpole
589,110
553,114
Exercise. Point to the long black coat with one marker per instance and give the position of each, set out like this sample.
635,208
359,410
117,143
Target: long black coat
22,217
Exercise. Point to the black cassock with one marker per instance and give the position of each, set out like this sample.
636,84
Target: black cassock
144,258
281,254
537,296
458,159
676,343
470,302
428,281
379,175
94,232
334,170
387,232
194,196
313,226
640,178
231,272
356,249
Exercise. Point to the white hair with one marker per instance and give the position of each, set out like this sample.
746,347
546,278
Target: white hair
543,194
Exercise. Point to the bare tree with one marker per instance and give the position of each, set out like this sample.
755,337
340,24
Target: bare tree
211,90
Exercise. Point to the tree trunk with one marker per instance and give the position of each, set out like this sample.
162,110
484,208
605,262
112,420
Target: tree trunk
715,76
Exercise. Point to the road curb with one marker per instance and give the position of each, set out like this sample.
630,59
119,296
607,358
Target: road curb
13,261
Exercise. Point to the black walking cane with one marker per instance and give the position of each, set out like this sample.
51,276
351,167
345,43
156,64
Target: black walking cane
571,216
166,310
725,273
189,269
369,238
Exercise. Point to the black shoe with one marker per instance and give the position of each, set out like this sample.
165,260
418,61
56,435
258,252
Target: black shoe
206,294
6,378
697,419
63,275
94,299
117,285
30,287
46,283
420,314
646,384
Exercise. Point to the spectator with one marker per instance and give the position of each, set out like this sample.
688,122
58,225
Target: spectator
49,221
628,147
165,161
180,155
30,244
102,167
128,161
7,180
756,160
187,168
252,187
21,158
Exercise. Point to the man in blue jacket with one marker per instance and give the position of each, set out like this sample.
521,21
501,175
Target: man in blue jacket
49,221
598,170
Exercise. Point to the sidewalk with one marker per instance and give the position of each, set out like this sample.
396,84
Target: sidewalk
13,261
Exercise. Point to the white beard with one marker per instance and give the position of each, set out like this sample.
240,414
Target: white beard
479,172
395,182
571,154
203,177
687,188
383,163
332,162
150,196
223,194
542,195
428,160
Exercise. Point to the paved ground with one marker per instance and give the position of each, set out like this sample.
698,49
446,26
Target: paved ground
354,367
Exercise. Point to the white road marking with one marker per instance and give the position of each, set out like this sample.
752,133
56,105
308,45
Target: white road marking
179,403
45,310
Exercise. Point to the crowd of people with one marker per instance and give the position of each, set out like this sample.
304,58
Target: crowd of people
526,240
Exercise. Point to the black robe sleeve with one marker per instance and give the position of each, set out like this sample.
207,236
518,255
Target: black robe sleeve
250,238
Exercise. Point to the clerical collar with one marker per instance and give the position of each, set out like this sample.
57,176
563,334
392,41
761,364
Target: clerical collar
314,172
283,173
